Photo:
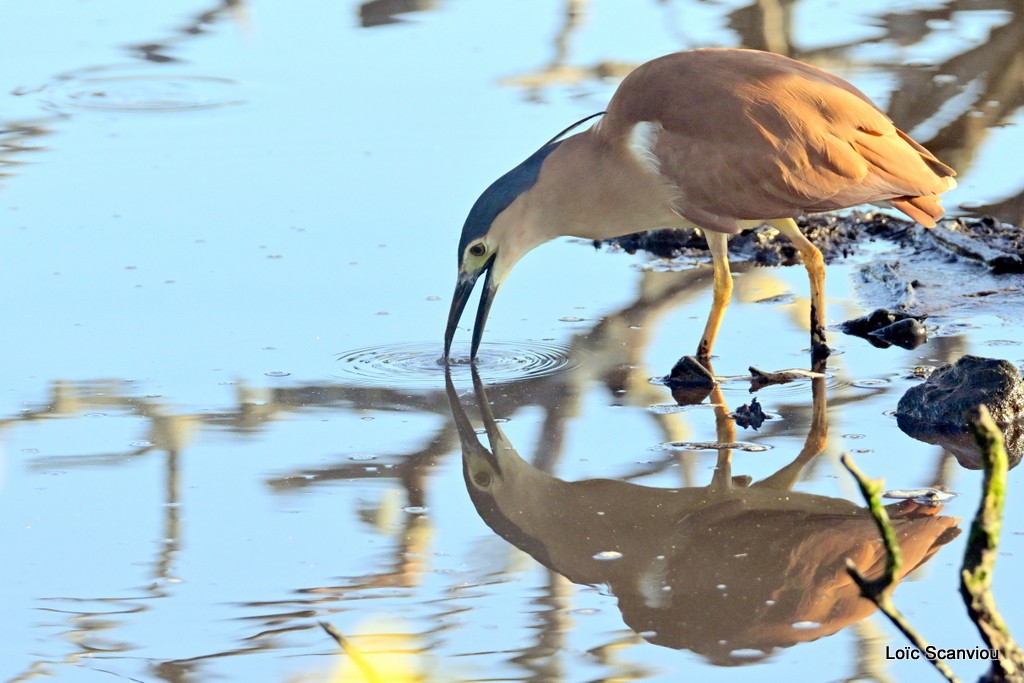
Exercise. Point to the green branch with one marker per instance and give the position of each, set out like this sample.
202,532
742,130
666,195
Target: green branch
982,548
879,590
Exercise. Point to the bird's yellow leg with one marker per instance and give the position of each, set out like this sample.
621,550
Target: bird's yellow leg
814,262
718,242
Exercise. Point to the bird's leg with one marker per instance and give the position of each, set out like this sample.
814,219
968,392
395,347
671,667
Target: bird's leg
718,243
814,262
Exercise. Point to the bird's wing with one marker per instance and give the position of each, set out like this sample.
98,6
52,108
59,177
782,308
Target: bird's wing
748,135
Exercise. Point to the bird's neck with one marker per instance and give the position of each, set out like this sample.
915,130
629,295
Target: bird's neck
596,189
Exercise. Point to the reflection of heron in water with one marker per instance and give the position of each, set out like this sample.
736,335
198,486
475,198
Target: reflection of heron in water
727,570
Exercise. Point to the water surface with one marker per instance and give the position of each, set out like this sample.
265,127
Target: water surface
230,242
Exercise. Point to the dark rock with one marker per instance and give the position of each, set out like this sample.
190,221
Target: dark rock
749,415
689,381
883,328
935,410
908,333
866,324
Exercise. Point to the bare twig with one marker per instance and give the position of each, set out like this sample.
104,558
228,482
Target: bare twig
879,590
982,547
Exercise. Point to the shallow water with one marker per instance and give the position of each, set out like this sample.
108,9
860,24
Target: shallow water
230,234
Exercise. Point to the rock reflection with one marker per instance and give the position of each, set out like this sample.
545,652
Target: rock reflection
732,570
385,12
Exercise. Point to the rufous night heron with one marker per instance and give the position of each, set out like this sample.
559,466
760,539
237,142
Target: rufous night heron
718,139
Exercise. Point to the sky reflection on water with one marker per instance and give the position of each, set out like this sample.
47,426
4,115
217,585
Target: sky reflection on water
192,475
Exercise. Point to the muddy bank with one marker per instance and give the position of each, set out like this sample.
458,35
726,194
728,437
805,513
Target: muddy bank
961,268
983,240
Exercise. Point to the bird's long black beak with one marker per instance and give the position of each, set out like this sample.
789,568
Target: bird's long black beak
463,288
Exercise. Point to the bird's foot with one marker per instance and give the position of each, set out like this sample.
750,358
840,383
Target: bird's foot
704,358
819,355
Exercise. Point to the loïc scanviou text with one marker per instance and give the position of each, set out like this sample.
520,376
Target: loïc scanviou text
932,652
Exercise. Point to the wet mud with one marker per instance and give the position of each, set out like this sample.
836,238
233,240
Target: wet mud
999,246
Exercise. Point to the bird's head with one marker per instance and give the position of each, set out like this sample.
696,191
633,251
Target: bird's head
497,233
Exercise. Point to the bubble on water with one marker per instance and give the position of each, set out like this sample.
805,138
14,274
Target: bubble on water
870,383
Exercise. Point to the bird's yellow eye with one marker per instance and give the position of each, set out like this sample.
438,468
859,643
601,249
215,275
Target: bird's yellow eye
478,249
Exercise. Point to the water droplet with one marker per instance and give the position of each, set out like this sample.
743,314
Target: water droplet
606,555
415,509
277,373
141,443
570,319
362,458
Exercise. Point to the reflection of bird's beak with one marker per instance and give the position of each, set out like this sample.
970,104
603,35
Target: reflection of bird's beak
463,288
472,448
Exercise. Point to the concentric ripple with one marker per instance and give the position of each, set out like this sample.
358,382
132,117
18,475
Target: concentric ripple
141,93
419,365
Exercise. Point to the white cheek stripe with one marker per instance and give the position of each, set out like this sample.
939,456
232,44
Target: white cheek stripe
642,140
